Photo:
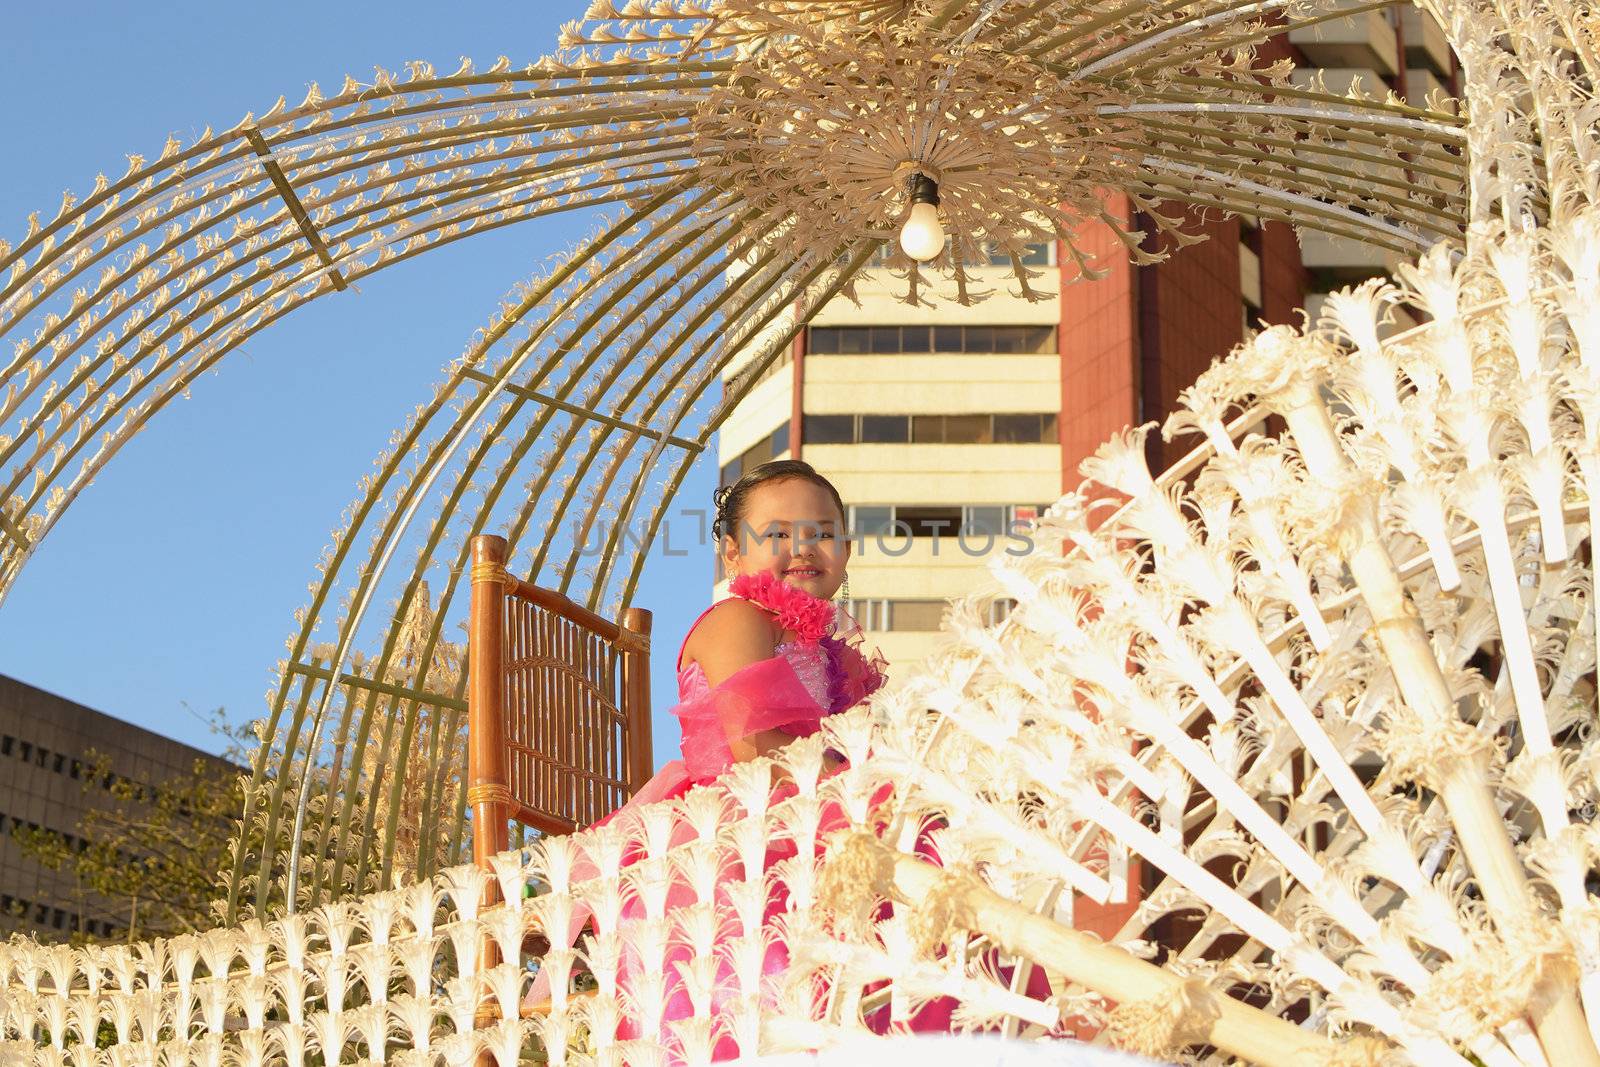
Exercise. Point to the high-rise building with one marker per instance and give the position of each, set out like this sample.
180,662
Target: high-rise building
45,762
940,425
943,425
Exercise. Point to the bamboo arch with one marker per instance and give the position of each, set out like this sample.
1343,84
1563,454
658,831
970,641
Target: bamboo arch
730,220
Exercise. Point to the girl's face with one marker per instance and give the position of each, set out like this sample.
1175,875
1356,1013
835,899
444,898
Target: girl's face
793,529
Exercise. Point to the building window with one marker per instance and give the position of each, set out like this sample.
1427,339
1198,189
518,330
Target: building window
885,429
984,520
1025,428
756,454
981,340
927,429
928,522
919,616
999,608
1006,339
830,429
870,521
822,341
973,520
871,614
968,429
854,340
768,447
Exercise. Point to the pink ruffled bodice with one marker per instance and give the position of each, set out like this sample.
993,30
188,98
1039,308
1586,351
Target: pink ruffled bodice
802,682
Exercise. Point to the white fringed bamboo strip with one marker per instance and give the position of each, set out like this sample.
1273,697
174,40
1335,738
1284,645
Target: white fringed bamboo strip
1107,61
103,387
1560,1022
170,390
1301,205
1426,129
1255,157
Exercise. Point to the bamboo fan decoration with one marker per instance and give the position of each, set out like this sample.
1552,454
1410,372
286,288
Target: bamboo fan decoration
1359,660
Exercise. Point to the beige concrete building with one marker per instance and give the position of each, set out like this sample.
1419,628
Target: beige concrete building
938,425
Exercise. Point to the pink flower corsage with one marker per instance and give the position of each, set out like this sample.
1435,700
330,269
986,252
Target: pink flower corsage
810,617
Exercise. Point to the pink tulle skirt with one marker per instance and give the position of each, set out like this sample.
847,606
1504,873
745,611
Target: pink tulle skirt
672,782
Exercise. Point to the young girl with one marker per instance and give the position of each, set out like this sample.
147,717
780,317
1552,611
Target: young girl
757,669
765,665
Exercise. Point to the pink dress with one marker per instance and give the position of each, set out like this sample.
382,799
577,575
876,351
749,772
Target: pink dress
825,670
802,682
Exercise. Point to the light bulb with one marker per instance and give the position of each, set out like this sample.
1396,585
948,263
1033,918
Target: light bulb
922,235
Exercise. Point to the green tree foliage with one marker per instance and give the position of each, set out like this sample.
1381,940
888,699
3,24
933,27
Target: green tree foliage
151,852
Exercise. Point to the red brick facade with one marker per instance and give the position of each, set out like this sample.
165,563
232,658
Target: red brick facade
1132,341
1098,331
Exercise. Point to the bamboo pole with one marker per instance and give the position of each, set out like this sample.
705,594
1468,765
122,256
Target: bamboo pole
487,789
636,624
862,863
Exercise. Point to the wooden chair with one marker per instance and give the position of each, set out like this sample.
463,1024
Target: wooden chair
558,716
558,706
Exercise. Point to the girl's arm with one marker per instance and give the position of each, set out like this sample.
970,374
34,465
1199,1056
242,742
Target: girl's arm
735,634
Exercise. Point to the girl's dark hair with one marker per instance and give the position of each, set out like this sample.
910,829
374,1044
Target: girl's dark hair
732,501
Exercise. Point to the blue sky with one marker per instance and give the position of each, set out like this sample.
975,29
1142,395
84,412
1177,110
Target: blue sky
173,580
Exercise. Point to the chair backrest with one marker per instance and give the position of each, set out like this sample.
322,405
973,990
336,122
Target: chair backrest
558,706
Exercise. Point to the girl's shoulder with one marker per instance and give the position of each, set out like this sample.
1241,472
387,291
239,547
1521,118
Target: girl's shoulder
733,620
735,613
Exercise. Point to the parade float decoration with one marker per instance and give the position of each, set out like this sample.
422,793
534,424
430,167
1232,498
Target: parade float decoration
1321,696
